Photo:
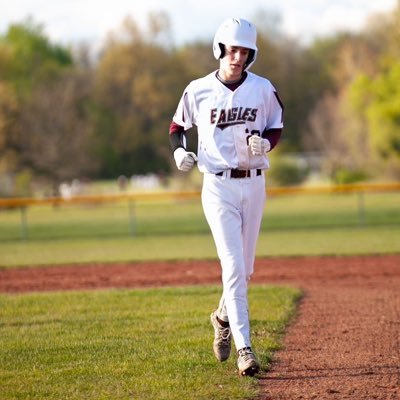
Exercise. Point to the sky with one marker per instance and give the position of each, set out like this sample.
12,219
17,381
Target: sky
89,21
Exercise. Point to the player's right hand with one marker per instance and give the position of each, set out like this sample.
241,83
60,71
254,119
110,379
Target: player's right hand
184,159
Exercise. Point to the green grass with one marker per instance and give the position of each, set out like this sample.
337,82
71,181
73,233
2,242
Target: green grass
186,217
136,344
156,344
292,225
322,241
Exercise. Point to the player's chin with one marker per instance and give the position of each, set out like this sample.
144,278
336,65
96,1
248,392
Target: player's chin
236,70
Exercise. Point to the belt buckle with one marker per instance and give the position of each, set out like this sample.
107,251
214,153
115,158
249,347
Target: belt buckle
240,173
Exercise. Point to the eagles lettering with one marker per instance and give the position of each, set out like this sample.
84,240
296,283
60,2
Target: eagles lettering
232,116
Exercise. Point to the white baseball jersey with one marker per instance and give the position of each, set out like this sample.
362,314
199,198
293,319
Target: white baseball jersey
226,118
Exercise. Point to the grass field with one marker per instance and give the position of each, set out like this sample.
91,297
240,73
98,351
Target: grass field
156,344
293,225
129,344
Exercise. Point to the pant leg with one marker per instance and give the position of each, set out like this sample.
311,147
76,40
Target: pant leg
253,209
221,311
222,205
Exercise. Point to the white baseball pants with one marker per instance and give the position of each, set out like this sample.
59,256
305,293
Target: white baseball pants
233,209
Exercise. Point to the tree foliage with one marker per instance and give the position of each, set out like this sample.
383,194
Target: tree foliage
28,56
8,119
64,115
361,110
43,121
374,96
377,102
137,83
57,130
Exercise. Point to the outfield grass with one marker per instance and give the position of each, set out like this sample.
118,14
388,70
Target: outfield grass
156,344
292,225
322,241
136,344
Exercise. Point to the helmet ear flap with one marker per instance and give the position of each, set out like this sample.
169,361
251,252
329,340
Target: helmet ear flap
222,50
250,58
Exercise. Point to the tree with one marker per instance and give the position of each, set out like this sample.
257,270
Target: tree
31,57
377,102
45,108
137,83
354,124
57,129
374,96
8,132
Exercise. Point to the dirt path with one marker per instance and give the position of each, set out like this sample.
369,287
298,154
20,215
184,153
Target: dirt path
344,343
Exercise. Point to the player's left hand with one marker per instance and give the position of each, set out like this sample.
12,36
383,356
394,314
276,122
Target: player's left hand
258,145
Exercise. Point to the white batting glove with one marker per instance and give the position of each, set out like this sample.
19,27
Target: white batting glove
258,145
184,159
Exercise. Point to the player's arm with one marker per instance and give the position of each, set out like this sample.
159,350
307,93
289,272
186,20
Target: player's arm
269,138
273,136
176,133
184,159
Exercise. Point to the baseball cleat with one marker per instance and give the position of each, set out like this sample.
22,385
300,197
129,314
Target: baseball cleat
222,339
247,362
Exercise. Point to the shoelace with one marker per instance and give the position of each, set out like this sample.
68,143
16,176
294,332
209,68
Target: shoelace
224,334
246,354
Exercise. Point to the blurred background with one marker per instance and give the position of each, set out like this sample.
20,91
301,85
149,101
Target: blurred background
87,91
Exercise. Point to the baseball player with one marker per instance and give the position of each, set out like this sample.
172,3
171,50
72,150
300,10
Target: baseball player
239,118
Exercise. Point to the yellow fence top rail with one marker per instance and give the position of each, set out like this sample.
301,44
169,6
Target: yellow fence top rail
148,196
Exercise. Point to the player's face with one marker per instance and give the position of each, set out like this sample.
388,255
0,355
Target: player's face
232,64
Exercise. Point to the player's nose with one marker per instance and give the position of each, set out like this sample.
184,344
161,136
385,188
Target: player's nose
238,55
241,56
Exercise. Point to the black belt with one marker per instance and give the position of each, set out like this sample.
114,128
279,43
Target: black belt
240,173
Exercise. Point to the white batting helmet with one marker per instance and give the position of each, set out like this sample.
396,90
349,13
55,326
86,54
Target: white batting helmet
236,32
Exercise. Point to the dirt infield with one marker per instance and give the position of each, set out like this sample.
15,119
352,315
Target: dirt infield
343,344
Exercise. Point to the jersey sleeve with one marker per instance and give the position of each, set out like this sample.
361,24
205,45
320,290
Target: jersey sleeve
184,112
273,135
275,110
176,133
